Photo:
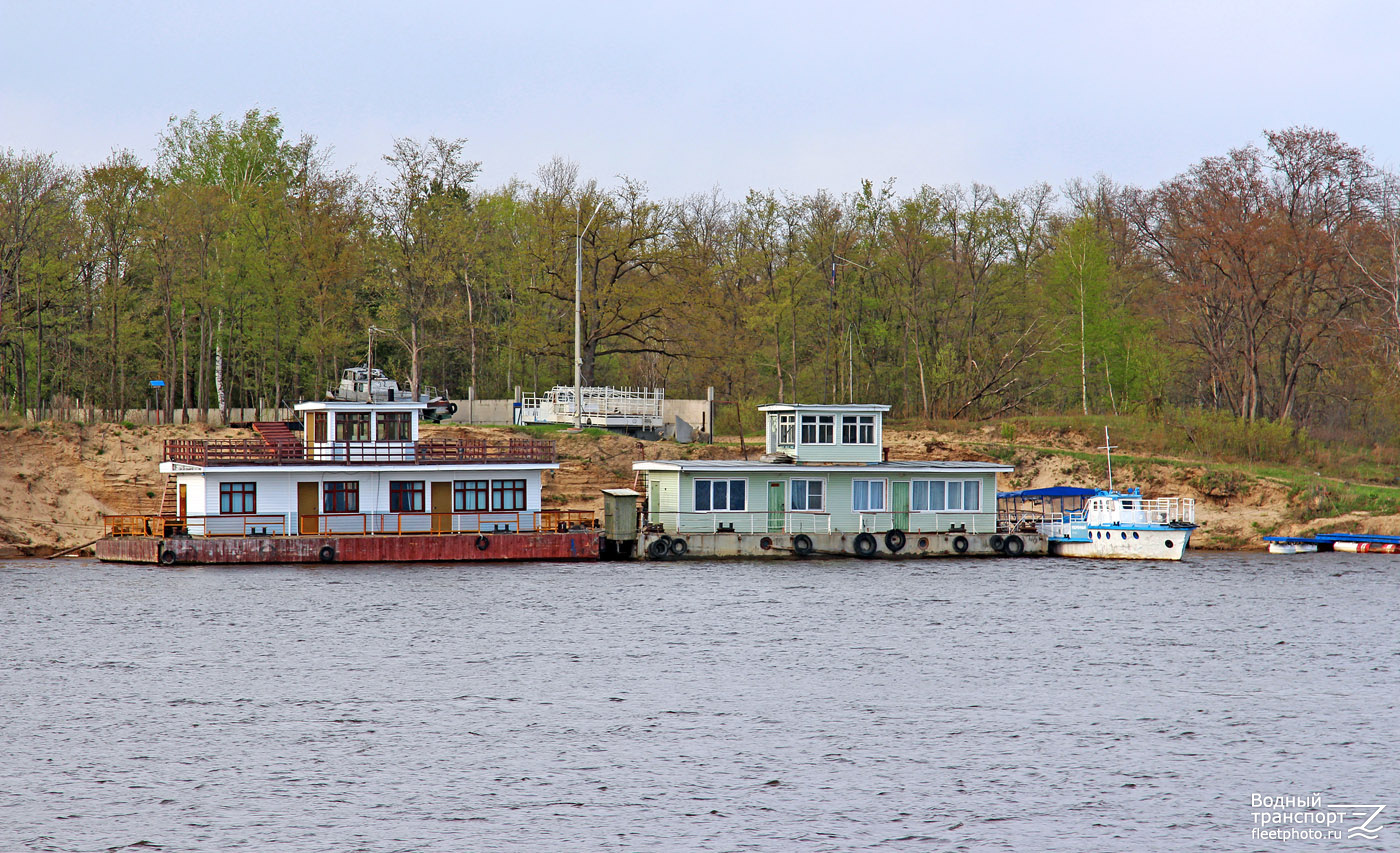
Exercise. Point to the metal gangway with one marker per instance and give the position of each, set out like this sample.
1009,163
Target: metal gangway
603,406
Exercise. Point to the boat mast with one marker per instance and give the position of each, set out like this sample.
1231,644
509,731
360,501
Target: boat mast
1108,448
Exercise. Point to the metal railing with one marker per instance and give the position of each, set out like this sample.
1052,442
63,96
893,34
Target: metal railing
602,406
351,524
240,451
742,522
920,522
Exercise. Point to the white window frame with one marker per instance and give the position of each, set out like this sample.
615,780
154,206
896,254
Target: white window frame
806,495
884,491
860,426
819,424
728,493
948,492
786,428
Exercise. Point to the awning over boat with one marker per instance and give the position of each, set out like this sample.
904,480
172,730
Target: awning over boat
1051,492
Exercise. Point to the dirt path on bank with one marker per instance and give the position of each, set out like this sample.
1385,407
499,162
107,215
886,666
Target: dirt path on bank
58,480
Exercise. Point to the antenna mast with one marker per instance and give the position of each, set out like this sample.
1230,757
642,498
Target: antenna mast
1109,447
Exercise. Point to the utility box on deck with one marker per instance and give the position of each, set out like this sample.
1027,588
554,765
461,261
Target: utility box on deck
620,514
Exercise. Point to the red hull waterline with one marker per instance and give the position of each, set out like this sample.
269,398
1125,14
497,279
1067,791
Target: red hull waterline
351,549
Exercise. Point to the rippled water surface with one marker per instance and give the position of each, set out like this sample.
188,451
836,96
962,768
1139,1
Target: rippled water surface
1026,705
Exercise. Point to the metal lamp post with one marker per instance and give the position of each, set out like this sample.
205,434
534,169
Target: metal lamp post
578,313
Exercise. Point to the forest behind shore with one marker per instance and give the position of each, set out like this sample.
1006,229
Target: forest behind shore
240,267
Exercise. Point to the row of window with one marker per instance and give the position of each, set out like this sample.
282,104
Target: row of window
404,496
866,495
821,429
354,426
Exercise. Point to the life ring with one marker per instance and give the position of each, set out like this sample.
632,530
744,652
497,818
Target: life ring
801,544
865,545
1013,546
679,547
894,540
960,544
659,548
996,541
482,543
167,557
327,554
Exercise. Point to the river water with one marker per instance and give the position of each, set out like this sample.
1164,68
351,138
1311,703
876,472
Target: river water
1020,705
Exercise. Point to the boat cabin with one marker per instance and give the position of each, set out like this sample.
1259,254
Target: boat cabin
825,472
357,468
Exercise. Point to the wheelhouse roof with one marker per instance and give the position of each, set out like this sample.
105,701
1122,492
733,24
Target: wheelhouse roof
1050,492
705,466
359,405
824,407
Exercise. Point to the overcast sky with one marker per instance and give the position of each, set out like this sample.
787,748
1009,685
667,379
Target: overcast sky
690,96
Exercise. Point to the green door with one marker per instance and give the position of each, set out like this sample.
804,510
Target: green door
899,505
775,507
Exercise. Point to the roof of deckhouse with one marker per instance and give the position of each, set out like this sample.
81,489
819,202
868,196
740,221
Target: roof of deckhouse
904,466
824,407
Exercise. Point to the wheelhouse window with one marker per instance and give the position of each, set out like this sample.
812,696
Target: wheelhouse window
341,496
868,495
405,496
807,495
941,495
318,427
238,498
394,426
787,430
858,429
507,495
470,495
352,426
721,495
818,429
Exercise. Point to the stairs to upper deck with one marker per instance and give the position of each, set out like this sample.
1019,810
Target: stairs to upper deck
279,438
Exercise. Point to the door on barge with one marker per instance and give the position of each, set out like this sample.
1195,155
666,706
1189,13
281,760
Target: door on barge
899,505
308,519
775,506
442,507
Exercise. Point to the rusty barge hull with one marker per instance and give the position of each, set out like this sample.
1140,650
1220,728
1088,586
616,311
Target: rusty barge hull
438,548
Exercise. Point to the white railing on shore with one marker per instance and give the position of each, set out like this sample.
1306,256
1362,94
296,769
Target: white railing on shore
742,522
601,406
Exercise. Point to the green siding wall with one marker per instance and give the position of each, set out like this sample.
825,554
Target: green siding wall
675,493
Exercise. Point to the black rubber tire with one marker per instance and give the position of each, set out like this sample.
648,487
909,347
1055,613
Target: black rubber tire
327,554
483,542
167,557
679,548
802,545
766,543
865,545
960,544
451,409
996,541
1013,546
894,540
657,549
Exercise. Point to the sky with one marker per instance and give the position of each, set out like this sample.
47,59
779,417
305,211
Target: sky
692,97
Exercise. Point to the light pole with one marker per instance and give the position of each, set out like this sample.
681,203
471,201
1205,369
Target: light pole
578,313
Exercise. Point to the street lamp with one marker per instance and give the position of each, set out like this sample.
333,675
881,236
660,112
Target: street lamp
578,312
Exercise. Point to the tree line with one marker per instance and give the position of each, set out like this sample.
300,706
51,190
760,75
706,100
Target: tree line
240,268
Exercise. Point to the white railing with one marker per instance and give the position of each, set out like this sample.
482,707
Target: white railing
742,522
920,522
602,405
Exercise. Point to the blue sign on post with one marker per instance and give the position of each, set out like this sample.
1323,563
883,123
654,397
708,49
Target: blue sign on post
157,383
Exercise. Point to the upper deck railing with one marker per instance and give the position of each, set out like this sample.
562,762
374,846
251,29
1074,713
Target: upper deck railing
252,451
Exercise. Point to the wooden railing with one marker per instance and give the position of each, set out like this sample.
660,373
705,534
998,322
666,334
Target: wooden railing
352,524
239,451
